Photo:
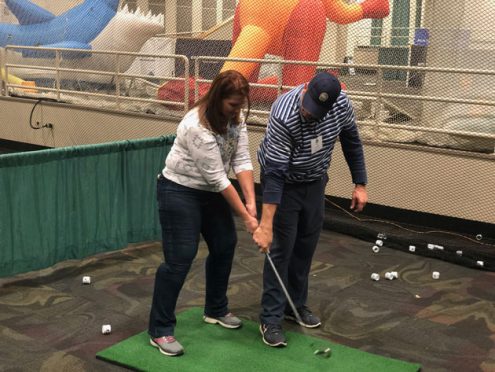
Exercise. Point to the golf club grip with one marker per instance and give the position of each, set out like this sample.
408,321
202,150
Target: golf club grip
293,307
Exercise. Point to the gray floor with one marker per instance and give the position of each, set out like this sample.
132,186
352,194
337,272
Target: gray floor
51,322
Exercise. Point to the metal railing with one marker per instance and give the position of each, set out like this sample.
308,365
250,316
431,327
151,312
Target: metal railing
377,97
117,75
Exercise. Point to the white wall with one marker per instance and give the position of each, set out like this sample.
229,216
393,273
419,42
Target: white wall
74,125
456,43
359,33
442,182
478,17
439,182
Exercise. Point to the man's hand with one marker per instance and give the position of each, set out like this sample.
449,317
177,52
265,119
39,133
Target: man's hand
263,237
359,198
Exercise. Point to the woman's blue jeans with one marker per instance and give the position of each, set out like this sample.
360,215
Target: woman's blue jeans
185,213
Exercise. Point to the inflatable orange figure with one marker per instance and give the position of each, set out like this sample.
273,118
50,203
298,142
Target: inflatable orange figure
292,29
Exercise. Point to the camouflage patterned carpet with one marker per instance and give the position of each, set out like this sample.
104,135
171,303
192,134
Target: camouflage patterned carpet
49,321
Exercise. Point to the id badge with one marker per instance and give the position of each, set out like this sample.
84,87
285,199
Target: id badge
316,144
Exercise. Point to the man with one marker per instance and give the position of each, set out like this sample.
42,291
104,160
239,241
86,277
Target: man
295,154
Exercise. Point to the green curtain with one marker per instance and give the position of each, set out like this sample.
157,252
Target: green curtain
74,202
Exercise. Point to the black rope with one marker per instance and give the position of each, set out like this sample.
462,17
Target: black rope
31,115
32,112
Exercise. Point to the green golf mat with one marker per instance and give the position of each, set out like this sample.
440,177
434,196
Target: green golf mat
211,347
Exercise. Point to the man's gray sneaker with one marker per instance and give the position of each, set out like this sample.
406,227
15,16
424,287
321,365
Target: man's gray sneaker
228,320
273,335
167,345
309,320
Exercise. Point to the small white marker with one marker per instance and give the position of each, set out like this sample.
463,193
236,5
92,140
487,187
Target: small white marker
106,329
86,280
375,249
480,263
435,275
412,248
434,246
379,242
375,276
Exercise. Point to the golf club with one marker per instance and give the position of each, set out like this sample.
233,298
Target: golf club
296,313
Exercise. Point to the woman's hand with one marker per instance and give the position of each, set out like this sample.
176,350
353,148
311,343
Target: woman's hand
251,223
251,208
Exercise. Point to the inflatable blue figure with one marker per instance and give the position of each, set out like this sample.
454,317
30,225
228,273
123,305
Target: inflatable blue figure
75,28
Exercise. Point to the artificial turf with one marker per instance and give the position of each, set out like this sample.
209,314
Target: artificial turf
213,348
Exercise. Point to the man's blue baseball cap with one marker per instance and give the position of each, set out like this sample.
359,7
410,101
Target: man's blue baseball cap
322,92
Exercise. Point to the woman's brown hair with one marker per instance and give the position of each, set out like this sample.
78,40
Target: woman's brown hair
225,85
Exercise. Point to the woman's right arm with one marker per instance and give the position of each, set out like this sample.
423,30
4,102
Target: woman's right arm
203,149
231,195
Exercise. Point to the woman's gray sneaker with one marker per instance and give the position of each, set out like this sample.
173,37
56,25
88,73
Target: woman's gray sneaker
228,321
167,345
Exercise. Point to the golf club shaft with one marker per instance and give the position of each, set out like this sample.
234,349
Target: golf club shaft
296,313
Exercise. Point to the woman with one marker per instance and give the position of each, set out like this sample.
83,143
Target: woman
196,197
